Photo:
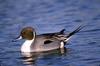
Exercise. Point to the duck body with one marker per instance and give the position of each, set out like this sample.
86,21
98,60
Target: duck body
44,42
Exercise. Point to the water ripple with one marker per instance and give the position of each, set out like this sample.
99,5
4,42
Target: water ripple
49,16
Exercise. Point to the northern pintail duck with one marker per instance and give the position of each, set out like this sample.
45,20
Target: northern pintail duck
44,42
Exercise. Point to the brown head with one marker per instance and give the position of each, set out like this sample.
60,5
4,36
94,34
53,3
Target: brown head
27,33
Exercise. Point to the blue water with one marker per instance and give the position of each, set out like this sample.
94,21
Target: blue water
48,16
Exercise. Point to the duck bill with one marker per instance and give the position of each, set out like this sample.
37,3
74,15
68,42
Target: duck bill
18,38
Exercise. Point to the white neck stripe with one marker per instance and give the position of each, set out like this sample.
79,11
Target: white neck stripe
26,47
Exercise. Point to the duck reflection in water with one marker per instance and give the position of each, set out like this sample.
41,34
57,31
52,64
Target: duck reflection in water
30,58
37,46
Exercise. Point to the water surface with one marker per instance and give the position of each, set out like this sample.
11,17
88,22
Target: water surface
48,16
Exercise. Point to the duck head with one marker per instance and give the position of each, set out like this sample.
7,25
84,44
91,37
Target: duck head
27,33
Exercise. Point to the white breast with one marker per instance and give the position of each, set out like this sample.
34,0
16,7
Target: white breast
26,46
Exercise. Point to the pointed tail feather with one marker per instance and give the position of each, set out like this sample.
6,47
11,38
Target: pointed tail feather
75,31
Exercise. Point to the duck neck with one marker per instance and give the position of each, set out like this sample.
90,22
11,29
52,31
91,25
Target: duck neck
26,47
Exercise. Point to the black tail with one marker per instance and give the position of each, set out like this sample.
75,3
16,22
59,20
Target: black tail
75,31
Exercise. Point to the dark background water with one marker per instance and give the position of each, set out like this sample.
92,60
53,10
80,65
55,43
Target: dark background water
48,16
